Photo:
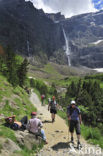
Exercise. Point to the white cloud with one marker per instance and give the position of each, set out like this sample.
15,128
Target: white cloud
66,7
39,4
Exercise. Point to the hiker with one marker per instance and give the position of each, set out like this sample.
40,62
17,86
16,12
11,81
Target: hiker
42,98
16,125
34,126
52,106
74,118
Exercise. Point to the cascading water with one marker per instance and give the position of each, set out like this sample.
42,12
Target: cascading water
67,51
28,48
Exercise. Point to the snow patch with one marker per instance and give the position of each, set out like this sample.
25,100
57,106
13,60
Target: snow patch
97,42
100,70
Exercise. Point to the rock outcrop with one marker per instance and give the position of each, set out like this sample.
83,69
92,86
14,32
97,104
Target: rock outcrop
26,139
23,139
85,37
8,147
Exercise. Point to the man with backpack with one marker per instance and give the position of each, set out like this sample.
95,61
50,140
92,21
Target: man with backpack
52,106
74,118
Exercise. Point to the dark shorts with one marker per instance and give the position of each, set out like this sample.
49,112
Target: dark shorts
54,111
74,125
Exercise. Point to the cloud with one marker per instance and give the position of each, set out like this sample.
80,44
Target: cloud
66,7
39,4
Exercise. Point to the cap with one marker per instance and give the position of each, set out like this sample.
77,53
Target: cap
73,102
34,113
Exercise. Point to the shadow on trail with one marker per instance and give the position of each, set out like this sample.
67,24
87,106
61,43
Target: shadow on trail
46,121
60,145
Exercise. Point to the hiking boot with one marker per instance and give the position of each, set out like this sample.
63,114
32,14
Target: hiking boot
79,145
72,141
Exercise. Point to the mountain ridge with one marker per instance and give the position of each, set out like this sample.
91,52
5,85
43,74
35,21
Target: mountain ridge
39,36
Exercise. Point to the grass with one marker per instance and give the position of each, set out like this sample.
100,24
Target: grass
93,135
7,133
26,152
14,101
52,72
63,115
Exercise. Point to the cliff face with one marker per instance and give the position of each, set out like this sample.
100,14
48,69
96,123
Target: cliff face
32,33
28,30
85,36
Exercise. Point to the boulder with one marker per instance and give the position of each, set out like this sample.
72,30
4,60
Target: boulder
8,147
27,139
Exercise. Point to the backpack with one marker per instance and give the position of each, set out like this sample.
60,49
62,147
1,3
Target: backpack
53,105
71,110
43,97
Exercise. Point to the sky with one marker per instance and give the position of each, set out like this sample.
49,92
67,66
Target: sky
68,7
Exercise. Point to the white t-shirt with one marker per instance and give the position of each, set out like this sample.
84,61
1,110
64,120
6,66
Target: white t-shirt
33,125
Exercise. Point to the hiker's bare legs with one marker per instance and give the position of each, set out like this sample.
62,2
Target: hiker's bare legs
71,135
53,116
78,137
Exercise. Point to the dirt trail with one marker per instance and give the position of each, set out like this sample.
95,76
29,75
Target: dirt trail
58,137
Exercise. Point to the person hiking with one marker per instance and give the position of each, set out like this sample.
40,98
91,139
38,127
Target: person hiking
42,98
34,126
16,125
74,118
52,106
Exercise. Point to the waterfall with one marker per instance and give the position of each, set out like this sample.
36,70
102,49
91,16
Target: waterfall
67,49
28,48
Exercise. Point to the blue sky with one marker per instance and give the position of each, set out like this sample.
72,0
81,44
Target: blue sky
98,4
68,7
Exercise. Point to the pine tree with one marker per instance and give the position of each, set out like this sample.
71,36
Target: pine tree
11,68
22,72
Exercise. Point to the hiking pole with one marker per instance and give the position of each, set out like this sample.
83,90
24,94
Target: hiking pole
68,131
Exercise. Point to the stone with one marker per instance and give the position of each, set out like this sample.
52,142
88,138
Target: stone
10,146
27,139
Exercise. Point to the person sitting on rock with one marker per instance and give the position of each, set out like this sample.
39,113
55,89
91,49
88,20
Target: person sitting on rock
34,126
16,125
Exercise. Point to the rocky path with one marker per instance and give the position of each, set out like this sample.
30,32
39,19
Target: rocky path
58,136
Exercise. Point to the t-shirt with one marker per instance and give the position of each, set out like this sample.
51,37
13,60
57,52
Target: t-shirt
53,105
73,112
33,125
